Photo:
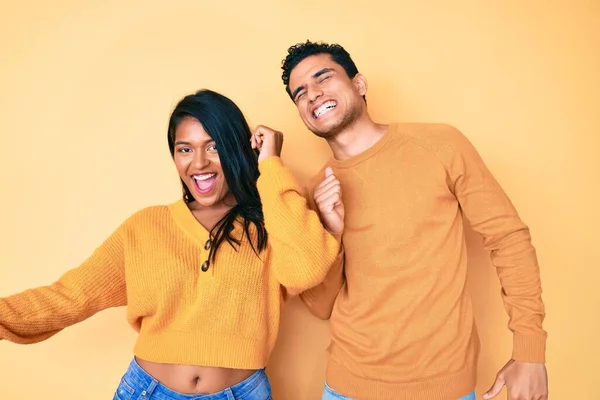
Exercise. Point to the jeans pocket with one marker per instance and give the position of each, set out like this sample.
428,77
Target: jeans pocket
262,391
124,391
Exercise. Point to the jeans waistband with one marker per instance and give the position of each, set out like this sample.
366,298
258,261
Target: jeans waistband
143,381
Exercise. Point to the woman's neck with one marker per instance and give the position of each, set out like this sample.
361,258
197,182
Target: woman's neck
209,216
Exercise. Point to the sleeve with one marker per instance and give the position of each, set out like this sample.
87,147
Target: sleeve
491,214
37,314
301,250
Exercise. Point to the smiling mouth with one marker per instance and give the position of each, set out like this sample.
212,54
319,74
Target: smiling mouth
204,183
324,109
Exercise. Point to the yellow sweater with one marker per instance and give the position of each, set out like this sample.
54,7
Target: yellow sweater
227,316
402,326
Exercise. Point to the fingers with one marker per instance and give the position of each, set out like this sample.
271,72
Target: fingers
328,185
328,198
328,193
327,203
496,388
263,134
329,177
258,136
256,141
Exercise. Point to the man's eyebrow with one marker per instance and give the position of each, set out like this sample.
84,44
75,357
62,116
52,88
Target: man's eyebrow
321,72
314,76
296,91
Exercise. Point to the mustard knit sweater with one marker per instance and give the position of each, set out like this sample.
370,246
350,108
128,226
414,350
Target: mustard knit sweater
402,322
226,316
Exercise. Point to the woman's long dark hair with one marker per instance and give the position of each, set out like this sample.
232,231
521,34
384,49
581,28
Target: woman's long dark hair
226,125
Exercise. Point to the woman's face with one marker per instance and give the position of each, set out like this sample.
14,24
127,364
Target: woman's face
197,160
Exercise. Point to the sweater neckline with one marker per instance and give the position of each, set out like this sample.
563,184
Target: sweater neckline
368,153
185,219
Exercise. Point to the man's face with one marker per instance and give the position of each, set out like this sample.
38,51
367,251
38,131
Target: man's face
328,101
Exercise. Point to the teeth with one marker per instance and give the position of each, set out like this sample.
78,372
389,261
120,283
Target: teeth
203,177
324,107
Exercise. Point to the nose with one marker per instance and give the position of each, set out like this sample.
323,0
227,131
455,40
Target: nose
200,160
314,93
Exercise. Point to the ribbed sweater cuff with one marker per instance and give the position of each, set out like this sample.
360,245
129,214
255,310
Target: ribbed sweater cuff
274,180
529,348
273,166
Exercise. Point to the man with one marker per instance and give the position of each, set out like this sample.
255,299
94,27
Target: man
401,316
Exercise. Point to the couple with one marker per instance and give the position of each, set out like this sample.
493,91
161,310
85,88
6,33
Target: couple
378,248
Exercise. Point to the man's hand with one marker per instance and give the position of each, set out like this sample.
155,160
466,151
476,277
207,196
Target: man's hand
268,141
524,381
328,197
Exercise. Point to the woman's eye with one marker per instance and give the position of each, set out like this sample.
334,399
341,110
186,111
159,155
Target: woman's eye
212,147
184,150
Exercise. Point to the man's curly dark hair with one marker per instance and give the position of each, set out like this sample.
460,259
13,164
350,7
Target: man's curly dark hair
300,51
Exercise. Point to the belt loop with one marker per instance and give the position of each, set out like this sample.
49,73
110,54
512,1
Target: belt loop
146,394
229,393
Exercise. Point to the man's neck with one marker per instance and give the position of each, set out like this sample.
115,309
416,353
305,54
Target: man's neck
356,138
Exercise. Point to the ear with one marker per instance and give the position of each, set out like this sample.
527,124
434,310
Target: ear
361,84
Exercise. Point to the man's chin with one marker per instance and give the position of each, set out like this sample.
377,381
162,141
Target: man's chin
325,135
326,132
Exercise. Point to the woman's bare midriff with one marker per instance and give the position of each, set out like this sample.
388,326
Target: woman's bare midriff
191,379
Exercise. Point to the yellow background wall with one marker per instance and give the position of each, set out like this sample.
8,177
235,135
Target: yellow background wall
86,91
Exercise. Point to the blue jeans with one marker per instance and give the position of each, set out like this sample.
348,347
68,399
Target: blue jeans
330,394
137,384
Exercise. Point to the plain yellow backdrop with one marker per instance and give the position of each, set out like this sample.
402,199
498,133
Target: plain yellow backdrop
86,91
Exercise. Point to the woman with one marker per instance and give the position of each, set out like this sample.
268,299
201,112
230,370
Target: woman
202,281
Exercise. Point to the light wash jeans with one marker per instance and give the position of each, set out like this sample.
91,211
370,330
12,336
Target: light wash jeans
330,394
137,384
